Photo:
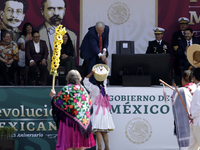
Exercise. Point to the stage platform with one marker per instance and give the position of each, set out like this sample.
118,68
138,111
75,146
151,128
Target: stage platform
143,120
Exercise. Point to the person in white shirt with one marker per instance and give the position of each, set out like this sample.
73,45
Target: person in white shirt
195,114
101,119
182,125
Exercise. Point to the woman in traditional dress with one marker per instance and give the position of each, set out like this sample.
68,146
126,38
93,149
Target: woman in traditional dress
71,112
102,121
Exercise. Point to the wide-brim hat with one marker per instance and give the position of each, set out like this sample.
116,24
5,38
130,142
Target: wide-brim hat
101,77
193,55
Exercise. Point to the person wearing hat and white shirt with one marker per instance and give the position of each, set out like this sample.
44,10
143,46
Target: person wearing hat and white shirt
158,46
181,52
176,38
195,114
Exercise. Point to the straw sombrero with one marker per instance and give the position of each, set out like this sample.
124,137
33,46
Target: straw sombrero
101,77
193,55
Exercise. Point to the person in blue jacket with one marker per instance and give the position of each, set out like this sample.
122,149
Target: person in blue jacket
94,47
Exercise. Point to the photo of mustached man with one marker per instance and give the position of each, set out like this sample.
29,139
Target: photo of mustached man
53,12
12,15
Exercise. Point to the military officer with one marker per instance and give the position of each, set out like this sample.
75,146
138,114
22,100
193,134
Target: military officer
176,38
158,46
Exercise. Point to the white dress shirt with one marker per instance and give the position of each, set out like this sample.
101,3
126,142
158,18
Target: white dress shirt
37,48
159,41
190,42
195,106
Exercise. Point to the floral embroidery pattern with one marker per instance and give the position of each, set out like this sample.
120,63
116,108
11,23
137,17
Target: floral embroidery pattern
75,102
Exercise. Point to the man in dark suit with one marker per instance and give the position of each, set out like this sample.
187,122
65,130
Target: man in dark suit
158,46
94,46
36,54
176,38
181,52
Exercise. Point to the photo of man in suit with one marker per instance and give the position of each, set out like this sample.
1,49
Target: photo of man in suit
36,56
53,12
94,44
12,15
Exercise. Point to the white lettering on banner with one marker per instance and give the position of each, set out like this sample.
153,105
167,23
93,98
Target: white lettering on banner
193,14
28,112
30,126
28,119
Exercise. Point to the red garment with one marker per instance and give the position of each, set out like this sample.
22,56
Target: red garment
100,43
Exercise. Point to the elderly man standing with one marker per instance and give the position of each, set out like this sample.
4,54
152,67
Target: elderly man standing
12,15
36,54
94,44
53,12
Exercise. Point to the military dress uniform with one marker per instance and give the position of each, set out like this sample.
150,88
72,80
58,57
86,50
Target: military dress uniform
176,38
158,47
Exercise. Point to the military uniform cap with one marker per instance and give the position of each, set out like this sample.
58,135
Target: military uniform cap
183,20
158,30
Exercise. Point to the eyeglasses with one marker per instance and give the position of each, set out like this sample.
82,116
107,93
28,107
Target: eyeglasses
10,11
7,36
36,36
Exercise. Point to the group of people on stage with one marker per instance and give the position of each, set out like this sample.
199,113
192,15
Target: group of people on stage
181,40
31,49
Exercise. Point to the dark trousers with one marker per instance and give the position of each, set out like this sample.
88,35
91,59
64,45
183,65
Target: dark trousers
42,69
8,77
68,63
93,61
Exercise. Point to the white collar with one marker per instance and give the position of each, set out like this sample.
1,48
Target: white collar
159,41
190,41
36,43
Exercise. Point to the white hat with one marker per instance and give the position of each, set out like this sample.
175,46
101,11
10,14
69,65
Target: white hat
193,55
183,20
158,30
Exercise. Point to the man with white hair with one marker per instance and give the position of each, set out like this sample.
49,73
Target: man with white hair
94,45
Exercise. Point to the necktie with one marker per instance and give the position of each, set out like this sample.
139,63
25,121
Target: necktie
100,43
188,43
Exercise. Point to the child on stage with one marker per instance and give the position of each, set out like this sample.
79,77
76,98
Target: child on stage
101,119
